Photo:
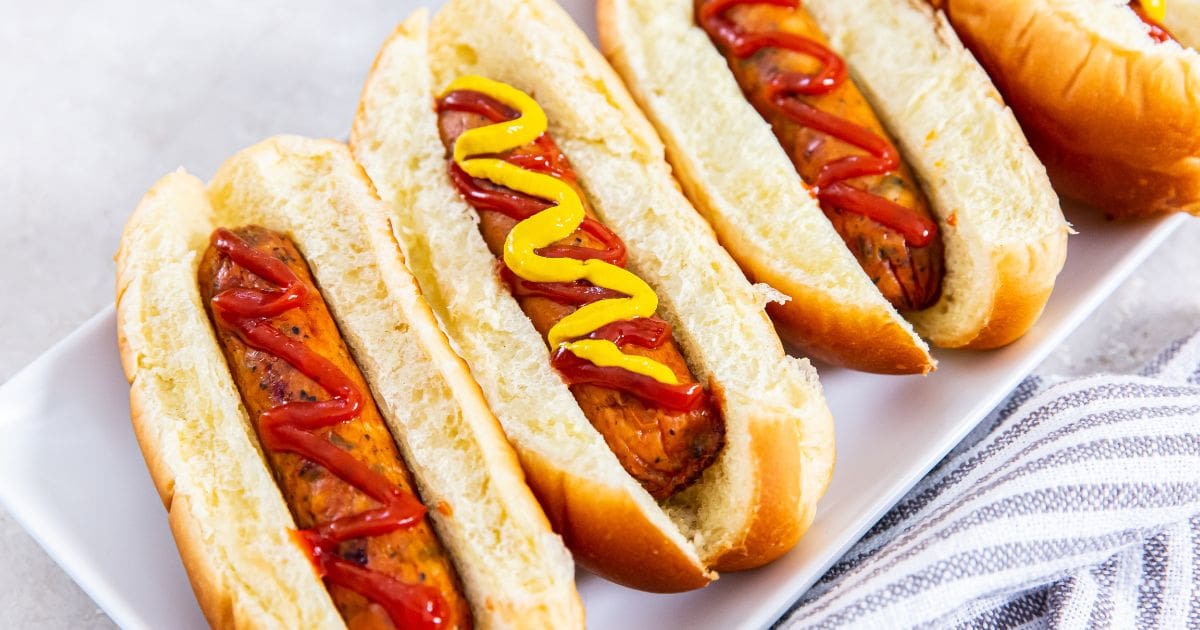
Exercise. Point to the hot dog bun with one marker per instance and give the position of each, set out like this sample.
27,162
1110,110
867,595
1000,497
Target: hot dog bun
1183,19
1004,234
1113,114
225,509
758,498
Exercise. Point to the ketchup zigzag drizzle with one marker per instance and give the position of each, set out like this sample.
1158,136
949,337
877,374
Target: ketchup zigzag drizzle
646,332
831,187
288,427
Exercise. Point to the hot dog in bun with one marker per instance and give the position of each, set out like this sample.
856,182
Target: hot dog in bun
851,154
303,417
660,423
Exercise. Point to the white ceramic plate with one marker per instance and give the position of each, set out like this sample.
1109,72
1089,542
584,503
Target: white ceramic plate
72,474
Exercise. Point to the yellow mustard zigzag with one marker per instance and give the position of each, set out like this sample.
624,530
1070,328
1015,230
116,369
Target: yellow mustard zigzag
1155,9
552,224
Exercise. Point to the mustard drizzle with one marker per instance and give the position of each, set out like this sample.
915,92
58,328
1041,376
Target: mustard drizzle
1155,9
555,223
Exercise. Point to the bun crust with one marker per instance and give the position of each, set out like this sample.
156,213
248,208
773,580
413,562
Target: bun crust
1024,280
994,207
237,547
865,339
717,316
610,533
775,526
1114,116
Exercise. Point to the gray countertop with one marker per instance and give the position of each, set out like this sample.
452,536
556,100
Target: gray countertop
101,99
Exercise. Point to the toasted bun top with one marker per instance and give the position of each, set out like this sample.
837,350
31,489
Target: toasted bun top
199,443
1114,115
717,316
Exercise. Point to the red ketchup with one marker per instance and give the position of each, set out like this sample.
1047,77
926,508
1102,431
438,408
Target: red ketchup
645,332
831,187
288,427
1158,32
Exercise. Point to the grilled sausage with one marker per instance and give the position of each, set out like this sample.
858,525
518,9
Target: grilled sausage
412,555
664,450
909,277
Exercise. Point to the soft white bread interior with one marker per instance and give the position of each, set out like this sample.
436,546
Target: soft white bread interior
1183,20
1113,114
758,498
1004,233
739,177
228,516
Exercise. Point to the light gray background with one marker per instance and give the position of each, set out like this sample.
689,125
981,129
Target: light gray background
99,99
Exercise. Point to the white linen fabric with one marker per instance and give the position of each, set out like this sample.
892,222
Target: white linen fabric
1075,504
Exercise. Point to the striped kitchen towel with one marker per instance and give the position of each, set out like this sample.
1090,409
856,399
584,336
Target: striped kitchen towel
1075,504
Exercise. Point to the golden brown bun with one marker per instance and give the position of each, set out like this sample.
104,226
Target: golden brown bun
759,496
1004,233
868,337
1114,115
229,519
610,533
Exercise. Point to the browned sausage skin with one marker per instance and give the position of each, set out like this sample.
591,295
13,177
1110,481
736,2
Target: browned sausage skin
314,495
908,276
665,450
